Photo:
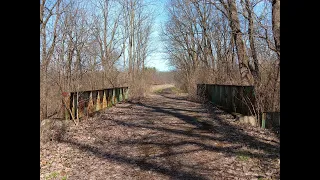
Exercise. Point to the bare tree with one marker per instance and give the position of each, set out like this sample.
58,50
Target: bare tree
276,24
49,14
243,59
225,42
81,43
249,16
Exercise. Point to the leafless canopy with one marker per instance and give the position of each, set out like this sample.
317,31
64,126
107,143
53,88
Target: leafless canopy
226,42
91,44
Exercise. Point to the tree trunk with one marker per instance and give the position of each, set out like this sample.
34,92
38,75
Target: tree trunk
276,24
276,36
246,76
254,71
46,54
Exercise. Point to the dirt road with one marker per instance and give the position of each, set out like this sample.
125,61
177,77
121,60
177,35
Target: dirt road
163,136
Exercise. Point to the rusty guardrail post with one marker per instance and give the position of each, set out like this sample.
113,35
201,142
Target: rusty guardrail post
73,106
90,105
66,104
126,93
98,106
120,94
263,121
79,104
104,100
239,99
109,97
113,96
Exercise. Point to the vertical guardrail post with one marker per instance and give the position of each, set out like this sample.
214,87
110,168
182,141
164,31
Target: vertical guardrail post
90,104
109,98
117,95
79,104
66,104
120,94
113,96
73,108
127,93
263,121
239,99
205,93
98,106
104,100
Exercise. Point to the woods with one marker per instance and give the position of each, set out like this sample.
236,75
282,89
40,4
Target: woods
170,89
226,42
86,45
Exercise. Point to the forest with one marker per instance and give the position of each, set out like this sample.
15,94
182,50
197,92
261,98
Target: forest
87,45
109,110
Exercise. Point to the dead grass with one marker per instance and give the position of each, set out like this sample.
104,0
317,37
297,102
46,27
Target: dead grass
159,88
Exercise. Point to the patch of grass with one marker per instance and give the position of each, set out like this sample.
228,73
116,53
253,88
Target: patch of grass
262,178
64,178
176,90
170,89
158,91
243,156
52,175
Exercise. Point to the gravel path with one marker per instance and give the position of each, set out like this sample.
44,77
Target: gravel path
163,136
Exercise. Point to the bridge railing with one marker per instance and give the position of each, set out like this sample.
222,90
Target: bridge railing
83,103
270,120
237,99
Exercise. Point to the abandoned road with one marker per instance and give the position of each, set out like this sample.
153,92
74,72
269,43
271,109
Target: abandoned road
162,136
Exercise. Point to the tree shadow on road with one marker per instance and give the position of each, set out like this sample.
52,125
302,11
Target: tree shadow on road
229,132
146,166
226,131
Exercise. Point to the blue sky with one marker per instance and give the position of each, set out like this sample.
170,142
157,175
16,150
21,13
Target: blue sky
157,58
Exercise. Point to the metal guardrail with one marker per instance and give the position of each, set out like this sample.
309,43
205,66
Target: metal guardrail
236,99
83,103
270,120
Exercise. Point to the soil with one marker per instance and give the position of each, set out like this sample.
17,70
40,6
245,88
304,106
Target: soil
162,136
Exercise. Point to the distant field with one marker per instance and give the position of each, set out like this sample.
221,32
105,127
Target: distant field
155,88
